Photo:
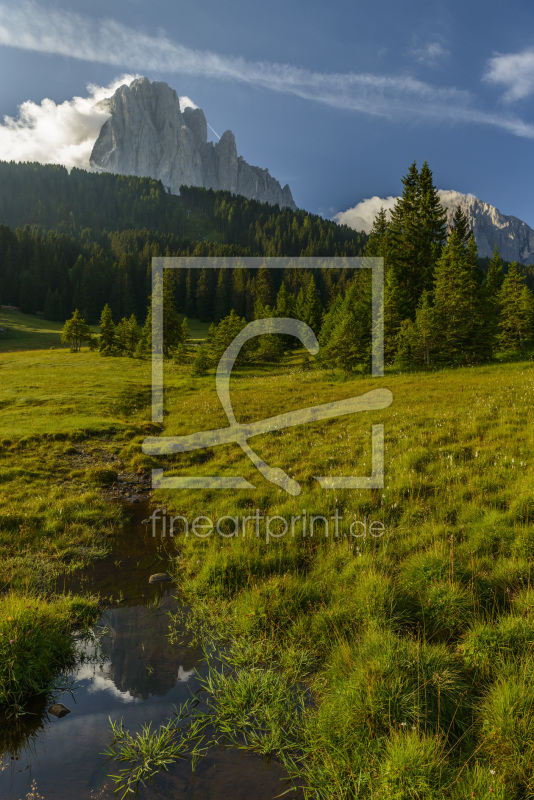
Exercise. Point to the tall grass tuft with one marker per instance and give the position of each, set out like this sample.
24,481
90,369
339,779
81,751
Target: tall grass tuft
36,642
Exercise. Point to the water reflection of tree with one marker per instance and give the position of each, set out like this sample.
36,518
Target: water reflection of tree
18,733
140,658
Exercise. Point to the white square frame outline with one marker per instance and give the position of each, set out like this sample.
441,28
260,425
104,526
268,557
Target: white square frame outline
376,264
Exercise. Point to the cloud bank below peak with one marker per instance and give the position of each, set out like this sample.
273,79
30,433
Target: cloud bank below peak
29,26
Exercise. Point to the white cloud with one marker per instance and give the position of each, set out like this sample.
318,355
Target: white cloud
28,26
61,133
186,102
515,71
100,682
362,215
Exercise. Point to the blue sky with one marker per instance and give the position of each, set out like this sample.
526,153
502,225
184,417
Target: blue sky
336,100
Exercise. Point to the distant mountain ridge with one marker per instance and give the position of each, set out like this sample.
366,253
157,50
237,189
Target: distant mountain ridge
148,135
513,237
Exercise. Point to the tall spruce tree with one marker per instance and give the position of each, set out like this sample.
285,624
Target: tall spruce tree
346,334
107,330
204,296
516,311
460,224
312,308
284,302
222,294
377,244
458,321
415,238
492,284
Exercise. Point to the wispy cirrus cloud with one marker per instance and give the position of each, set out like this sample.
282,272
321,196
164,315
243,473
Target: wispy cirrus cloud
515,71
28,26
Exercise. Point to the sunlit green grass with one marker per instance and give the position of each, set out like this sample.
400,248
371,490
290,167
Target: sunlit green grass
390,632
397,638
28,331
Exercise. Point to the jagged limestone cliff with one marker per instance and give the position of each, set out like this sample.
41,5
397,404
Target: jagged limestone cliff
149,136
513,237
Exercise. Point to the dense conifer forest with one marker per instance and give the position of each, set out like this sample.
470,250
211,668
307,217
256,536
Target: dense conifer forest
83,241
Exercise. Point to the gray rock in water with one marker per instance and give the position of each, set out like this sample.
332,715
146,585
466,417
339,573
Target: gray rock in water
149,136
59,710
160,577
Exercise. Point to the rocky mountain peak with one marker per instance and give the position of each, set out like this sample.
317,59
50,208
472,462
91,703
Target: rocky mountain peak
513,237
148,135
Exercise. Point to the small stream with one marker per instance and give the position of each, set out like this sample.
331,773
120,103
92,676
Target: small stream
131,672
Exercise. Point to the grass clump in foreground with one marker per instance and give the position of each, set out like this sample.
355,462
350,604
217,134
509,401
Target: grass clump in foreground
36,643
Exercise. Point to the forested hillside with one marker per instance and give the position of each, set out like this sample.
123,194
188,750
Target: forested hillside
81,240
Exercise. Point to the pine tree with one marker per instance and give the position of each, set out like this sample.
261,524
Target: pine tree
190,292
263,287
516,311
172,326
220,336
180,352
460,224
238,292
284,302
300,305
457,308
312,309
432,227
127,336
377,244
201,362
491,287
107,331
495,274
77,332
347,336
186,335
415,237
222,294
425,329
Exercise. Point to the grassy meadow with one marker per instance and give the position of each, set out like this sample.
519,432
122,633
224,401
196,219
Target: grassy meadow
26,331
414,647
383,666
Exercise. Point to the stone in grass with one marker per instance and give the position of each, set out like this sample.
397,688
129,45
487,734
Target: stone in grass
59,710
160,577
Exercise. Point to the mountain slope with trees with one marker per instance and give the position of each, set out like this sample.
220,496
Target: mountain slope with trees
82,240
